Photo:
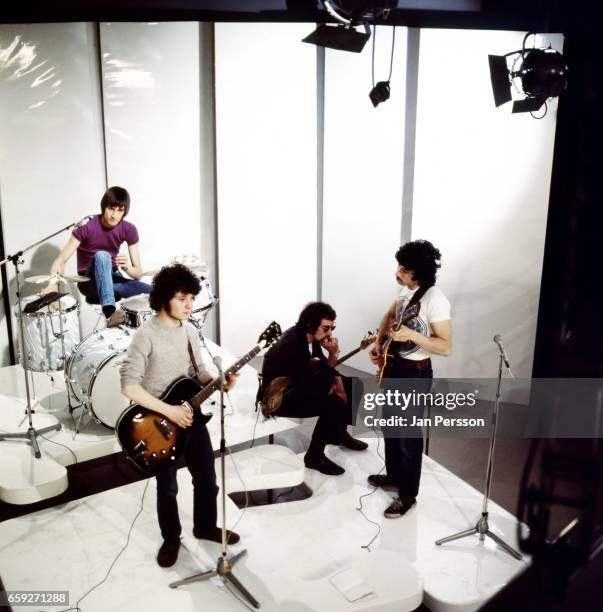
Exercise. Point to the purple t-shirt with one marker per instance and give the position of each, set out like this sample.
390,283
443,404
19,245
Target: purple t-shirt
94,237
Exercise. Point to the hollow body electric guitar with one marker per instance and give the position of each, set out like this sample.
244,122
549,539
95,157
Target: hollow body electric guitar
272,398
154,442
387,356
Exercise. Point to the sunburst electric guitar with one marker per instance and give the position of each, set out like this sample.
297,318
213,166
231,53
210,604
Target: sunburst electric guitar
154,442
272,398
387,357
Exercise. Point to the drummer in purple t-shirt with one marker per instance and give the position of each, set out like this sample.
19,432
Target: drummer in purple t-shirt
97,241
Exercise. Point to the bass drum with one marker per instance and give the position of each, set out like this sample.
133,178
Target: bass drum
93,373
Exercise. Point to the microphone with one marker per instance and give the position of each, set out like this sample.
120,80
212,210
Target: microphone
218,363
498,341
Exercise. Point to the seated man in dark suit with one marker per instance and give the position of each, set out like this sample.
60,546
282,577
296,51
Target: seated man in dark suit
316,388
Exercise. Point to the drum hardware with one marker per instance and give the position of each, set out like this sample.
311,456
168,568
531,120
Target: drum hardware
32,433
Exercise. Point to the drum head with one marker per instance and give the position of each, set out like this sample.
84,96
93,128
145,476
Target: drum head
107,400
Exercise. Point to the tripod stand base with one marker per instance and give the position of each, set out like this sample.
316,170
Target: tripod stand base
224,570
483,530
31,433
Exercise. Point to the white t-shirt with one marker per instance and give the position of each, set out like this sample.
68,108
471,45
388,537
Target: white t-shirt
435,307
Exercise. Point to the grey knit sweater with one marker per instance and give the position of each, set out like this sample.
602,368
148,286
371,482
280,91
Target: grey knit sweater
158,355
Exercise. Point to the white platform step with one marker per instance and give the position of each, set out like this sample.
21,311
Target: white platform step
268,466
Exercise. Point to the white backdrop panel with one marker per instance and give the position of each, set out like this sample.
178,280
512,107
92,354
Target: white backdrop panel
51,156
363,175
266,176
482,182
151,105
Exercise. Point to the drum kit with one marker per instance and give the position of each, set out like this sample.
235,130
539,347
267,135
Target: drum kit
50,341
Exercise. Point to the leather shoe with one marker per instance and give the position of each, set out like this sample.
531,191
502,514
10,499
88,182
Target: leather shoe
215,535
117,318
399,507
352,443
168,553
323,464
382,481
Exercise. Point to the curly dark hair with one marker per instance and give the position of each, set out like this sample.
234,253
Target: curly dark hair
168,281
116,196
311,316
422,259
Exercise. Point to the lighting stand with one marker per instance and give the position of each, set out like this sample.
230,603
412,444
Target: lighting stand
482,527
224,565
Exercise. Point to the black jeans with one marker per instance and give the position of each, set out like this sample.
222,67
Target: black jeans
333,415
199,456
404,455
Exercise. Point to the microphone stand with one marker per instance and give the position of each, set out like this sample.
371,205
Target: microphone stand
224,565
482,527
31,432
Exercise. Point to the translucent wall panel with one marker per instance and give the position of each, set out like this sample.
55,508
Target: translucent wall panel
363,174
266,176
151,105
481,195
51,155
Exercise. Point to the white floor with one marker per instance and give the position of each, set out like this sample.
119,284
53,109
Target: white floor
292,548
26,480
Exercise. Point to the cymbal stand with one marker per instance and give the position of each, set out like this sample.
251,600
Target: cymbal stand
482,527
224,566
31,432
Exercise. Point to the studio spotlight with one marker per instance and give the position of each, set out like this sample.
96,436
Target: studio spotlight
535,74
379,93
350,14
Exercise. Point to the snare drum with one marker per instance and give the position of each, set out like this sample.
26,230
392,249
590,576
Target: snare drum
42,333
137,310
93,373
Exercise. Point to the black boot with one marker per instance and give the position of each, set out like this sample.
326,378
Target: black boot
315,459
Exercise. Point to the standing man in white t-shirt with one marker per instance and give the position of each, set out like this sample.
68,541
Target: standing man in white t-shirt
408,357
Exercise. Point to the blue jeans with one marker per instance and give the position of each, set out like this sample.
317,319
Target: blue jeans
404,455
106,284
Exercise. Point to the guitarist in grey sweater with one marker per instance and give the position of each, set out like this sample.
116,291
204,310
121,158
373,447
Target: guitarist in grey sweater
159,354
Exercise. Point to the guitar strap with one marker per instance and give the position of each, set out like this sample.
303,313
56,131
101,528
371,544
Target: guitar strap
193,361
419,293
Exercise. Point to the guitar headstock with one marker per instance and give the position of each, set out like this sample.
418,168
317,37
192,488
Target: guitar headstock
270,335
370,337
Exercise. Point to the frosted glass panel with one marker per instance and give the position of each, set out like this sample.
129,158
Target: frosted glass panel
151,104
51,155
266,177
481,195
363,174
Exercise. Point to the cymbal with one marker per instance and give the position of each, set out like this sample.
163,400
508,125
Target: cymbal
193,267
56,278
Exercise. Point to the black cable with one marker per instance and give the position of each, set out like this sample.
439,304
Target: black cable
59,444
373,59
368,546
391,61
77,603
